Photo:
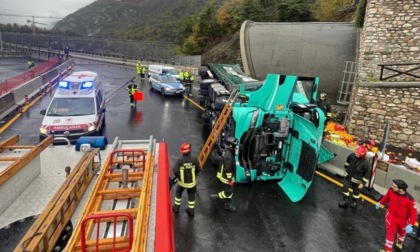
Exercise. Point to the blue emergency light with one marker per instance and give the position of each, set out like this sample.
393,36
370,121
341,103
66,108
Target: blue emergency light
63,84
95,142
87,84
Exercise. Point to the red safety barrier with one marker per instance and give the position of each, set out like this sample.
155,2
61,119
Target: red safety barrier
116,216
134,157
14,82
165,237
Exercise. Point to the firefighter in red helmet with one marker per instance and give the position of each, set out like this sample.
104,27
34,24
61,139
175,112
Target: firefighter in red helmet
185,170
357,168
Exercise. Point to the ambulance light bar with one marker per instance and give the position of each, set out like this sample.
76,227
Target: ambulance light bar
87,84
64,84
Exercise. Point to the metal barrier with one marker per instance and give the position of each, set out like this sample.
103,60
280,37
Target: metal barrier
411,69
14,82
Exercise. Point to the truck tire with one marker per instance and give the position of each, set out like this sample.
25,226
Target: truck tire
202,72
206,117
204,92
215,157
204,84
220,102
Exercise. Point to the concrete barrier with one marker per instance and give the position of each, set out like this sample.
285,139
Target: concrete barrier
28,90
17,97
6,101
385,172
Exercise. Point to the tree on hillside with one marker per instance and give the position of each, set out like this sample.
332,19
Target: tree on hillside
294,11
329,10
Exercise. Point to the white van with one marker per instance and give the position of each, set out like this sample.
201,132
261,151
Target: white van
77,108
161,69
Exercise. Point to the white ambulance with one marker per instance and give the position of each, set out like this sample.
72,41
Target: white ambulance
77,108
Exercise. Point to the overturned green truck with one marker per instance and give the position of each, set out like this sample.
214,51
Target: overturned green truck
276,121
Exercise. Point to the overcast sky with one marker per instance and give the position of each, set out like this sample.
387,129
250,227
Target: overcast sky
42,8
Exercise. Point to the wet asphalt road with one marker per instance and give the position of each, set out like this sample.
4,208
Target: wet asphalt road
266,219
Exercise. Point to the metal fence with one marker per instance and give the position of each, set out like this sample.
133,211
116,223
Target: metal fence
14,82
129,49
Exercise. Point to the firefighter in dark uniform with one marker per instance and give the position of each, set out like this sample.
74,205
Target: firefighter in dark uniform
131,89
325,105
186,170
357,168
226,175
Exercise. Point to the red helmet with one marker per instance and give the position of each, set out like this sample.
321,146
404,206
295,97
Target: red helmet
185,148
361,151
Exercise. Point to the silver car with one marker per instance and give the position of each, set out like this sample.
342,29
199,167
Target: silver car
166,84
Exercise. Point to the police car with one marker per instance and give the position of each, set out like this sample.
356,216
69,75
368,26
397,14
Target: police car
77,108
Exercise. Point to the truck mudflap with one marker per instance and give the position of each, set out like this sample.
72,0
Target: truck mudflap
301,161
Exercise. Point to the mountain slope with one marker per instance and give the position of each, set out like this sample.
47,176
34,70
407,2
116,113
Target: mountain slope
137,19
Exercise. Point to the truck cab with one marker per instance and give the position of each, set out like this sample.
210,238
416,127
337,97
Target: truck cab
277,124
77,108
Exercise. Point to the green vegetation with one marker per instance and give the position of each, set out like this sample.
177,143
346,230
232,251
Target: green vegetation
195,26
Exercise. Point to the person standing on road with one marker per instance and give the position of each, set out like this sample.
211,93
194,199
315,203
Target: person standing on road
138,68
186,170
226,175
355,176
188,83
181,76
400,215
31,64
66,52
131,89
142,72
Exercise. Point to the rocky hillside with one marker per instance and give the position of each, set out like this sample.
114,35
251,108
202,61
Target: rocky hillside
134,19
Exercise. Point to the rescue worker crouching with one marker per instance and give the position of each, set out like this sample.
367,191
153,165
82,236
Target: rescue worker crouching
131,89
355,176
185,170
225,174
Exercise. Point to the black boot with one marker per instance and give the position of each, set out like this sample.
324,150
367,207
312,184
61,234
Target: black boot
190,211
353,203
229,207
175,208
345,202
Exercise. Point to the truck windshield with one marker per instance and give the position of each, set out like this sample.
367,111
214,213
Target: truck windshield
305,88
71,107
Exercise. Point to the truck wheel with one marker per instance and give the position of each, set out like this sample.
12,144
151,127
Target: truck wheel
215,157
220,102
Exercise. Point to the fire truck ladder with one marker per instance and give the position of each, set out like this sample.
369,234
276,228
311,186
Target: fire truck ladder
116,216
217,129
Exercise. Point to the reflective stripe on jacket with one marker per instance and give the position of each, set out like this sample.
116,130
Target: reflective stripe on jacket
227,167
186,169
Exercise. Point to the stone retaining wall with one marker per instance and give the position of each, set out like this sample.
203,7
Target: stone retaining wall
391,34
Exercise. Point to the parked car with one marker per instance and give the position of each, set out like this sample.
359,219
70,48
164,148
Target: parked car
166,84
